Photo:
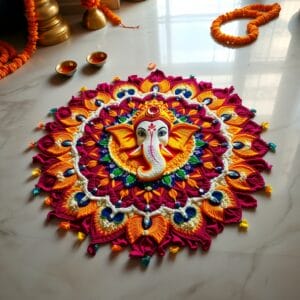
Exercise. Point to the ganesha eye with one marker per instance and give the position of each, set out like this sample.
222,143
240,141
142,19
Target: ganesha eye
141,132
162,132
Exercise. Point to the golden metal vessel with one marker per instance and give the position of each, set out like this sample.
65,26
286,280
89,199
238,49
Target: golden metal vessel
51,26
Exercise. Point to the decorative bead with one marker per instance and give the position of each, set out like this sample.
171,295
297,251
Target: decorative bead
265,125
48,201
268,189
219,169
83,88
174,249
151,66
41,125
52,111
116,248
272,147
36,172
64,225
244,225
145,260
36,191
253,110
31,145
116,78
80,236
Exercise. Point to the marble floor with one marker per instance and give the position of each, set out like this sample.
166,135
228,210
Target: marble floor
264,263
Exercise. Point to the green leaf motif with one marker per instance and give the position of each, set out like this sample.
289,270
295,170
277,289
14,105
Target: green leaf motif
130,179
194,160
181,174
200,143
106,158
183,118
104,142
122,119
117,172
167,180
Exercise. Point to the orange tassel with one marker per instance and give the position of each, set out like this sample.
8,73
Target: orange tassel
116,248
64,225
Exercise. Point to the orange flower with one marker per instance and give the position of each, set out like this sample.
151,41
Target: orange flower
90,3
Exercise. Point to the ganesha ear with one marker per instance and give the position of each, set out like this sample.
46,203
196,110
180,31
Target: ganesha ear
124,134
180,135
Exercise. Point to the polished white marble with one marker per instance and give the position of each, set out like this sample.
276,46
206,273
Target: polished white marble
264,263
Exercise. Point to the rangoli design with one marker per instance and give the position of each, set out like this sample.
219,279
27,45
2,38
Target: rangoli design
151,163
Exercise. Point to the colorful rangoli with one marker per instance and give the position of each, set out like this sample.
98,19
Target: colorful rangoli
151,163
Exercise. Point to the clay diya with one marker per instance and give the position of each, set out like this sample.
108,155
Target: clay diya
97,59
66,68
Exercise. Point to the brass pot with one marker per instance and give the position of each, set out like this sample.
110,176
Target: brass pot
93,19
52,28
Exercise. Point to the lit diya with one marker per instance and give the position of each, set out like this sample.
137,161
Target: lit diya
97,59
66,68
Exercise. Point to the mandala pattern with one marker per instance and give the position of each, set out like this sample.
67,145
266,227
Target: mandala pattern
151,163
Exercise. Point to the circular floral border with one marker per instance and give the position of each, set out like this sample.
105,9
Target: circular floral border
93,194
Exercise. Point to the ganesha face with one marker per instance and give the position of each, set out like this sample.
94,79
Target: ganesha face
152,137
151,147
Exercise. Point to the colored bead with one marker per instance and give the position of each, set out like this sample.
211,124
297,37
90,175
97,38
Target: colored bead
234,174
145,260
265,125
178,218
80,236
116,78
216,198
116,248
272,147
118,218
191,212
41,125
69,172
31,145
80,118
52,111
226,117
81,199
244,225
66,143
238,145
207,101
64,225
219,169
36,172
147,223
36,191
48,201
174,249
253,110
151,66
268,189
83,88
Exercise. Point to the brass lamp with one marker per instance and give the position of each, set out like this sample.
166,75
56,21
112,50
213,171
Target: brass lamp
52,28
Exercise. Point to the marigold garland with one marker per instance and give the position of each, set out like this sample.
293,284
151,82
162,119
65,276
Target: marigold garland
90,3
10,61
261,14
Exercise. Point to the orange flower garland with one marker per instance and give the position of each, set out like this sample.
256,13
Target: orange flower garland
90,3
10,61
261,14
